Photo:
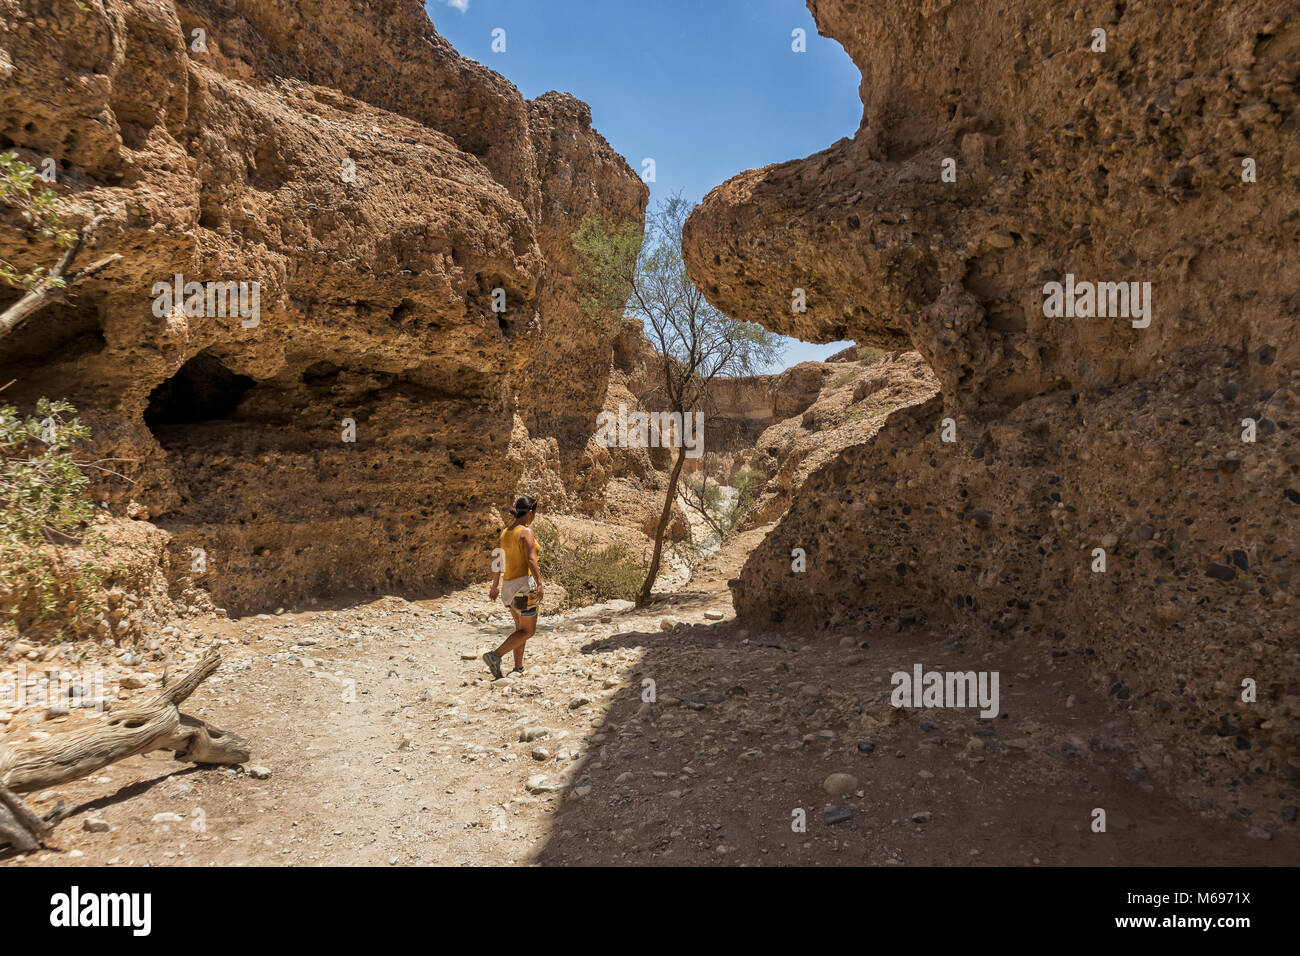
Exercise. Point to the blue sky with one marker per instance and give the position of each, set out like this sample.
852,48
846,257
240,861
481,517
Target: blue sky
706,88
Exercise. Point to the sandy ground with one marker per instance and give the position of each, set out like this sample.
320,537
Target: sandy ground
387,743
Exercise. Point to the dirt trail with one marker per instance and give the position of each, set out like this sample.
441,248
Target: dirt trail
386,746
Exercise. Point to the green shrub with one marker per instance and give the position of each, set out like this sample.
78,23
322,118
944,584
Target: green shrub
706,493
706,498
44,502
750,483
589,573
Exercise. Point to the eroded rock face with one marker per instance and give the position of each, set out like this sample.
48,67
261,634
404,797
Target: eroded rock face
1070,434
829,406
379,188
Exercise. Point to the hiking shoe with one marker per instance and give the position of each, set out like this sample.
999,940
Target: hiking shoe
517,670
494,664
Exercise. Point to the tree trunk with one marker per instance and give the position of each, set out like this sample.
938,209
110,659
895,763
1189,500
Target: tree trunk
669,500
156,725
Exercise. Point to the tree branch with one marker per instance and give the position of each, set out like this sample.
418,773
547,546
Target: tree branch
48,290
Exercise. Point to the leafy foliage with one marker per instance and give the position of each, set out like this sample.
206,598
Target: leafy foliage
646,275
724,515
609,255
589,573
38,207
749,485
44,501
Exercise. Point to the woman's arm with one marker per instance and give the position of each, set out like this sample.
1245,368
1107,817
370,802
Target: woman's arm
530,545
498,556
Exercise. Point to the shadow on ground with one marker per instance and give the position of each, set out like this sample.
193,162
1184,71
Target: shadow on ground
740,737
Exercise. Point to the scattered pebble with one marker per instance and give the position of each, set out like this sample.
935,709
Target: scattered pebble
840,784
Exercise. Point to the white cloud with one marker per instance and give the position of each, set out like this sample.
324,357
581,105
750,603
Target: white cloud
461,5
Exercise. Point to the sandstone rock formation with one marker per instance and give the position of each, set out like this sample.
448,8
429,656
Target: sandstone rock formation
380,189
1071,434
851,401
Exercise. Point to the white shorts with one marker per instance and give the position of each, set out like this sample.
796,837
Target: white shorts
514,586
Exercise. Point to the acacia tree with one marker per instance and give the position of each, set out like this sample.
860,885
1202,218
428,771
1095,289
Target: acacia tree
645,275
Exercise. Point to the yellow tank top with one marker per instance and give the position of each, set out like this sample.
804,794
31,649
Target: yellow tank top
516,553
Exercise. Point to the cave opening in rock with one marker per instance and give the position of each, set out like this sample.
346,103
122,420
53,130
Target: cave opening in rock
202,390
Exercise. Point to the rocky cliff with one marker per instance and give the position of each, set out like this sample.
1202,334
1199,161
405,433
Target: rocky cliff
825,408
357,425
1004,147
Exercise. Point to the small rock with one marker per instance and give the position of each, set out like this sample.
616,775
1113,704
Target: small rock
529,734
839,784
578,702
540,753
539,783
668,623
834,815
713,615
167,818
258,773
921,817
95,825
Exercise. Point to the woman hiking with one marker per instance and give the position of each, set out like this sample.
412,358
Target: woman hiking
522,589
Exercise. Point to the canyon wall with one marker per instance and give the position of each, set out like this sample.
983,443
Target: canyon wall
360,431
1171,157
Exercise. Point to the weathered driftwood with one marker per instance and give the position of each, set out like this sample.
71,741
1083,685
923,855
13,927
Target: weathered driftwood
20,827
156,725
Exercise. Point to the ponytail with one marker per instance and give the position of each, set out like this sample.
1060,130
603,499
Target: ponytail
523,505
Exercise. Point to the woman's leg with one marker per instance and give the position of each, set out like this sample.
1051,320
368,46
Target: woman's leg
527,625
516,638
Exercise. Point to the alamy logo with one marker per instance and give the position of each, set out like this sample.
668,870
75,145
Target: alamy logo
211,300
1085,300
75,909
951,689
651,430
